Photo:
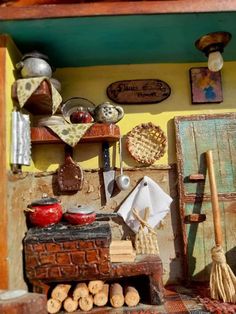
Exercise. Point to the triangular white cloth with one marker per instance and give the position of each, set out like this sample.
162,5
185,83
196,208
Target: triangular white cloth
146,194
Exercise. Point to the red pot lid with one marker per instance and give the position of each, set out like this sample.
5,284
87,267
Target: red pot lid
45,200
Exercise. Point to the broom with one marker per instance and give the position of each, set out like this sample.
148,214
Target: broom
222,279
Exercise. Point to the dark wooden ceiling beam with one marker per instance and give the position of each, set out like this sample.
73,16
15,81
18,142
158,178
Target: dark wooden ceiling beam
33,10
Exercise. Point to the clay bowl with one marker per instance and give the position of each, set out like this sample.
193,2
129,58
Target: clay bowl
81,215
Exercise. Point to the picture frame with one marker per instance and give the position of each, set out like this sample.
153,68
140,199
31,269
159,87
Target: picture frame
206,86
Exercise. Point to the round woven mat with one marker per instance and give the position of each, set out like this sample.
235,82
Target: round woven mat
146,143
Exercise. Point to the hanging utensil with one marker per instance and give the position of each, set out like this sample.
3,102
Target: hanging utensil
122,181
70,175
108,173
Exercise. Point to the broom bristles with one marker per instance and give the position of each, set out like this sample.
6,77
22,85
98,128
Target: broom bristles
222,279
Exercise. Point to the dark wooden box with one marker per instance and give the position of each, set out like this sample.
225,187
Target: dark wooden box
40,102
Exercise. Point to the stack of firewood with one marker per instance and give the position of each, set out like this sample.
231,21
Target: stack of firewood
84,296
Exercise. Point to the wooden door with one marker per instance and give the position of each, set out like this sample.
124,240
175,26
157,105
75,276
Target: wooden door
194,136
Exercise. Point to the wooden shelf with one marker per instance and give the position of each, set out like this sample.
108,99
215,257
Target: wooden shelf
45,9
97,133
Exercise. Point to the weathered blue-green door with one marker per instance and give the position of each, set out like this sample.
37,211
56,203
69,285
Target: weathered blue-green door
194,136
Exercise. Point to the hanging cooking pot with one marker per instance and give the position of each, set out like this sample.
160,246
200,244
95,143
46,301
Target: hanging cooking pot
81,215
45,211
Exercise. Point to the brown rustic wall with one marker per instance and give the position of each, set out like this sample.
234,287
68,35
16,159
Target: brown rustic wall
26,187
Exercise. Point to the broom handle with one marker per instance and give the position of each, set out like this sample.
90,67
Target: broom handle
214,199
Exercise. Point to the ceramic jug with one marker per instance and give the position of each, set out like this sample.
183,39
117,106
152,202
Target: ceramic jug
106,113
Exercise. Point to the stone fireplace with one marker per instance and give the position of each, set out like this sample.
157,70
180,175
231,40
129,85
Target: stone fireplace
69,253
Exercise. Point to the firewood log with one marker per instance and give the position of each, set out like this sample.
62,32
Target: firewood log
70,305
81,290
95,286
132,297
101,298
53,305
60,292
86,303
116,295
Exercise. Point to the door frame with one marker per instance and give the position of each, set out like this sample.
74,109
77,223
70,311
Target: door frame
3,169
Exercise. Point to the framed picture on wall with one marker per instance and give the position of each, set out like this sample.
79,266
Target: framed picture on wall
206,86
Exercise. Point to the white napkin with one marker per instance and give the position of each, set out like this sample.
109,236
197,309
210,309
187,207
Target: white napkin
146,194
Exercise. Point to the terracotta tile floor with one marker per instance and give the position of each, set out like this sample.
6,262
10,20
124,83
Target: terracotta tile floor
195,299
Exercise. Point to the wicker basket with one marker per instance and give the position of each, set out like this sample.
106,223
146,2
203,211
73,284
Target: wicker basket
145,241
146,143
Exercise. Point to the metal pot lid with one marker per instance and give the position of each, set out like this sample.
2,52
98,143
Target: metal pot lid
45,201
83,209
35,54
73,105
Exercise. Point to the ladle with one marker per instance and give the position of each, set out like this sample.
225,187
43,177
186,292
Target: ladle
122,181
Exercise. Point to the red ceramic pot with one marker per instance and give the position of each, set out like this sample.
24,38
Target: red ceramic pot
81,116
81,215
45,212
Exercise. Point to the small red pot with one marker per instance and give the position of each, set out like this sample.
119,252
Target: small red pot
81,116
44,212
81,215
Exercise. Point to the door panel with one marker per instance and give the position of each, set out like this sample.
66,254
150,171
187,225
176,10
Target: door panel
194,136
200,239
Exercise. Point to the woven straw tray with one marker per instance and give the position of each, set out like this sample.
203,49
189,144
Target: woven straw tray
146,143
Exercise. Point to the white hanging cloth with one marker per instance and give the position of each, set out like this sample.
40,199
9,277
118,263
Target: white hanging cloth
146,194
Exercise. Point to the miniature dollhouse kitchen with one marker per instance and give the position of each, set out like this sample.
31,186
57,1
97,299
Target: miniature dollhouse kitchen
108,113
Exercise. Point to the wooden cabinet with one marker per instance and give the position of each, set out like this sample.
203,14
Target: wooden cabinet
99,33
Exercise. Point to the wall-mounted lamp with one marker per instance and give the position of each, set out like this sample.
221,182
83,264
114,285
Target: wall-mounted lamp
212,45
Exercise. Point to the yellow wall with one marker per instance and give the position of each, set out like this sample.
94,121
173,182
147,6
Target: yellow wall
91,83
12,57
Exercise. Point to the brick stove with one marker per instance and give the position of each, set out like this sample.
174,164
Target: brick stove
69,253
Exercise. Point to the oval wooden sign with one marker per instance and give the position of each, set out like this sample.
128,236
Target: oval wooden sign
147,91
